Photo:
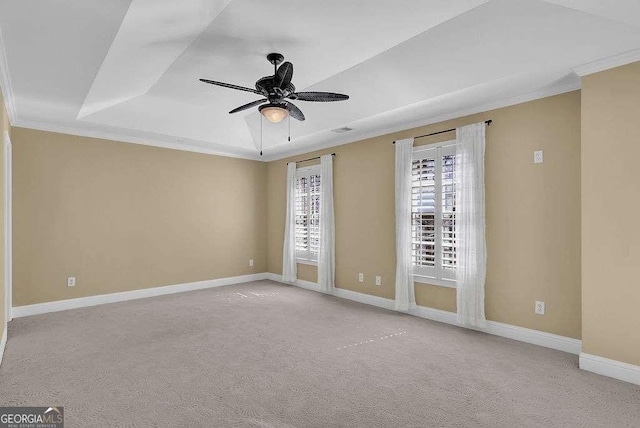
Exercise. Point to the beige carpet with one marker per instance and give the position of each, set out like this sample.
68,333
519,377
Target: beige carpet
263,354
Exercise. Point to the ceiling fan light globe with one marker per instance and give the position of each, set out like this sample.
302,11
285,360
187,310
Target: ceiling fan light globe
274,114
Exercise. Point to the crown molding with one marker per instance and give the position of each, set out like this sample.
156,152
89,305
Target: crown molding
152,141
403,126
606,63
5,84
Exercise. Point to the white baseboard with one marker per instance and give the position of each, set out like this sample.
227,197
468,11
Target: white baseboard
3,343
82,302
434,314
522,334
308,285
611,368
368,299
275,277
535,337
338,292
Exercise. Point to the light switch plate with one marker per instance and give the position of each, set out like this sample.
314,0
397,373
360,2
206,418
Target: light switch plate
538,156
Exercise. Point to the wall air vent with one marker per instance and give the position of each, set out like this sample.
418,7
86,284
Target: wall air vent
341,130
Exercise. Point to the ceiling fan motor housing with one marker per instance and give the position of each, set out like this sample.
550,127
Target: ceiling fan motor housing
269,89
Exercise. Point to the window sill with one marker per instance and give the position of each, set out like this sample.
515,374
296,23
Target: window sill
448,283
307,262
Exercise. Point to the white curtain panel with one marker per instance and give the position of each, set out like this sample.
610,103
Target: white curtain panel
326,258
405,297
289,267
470,225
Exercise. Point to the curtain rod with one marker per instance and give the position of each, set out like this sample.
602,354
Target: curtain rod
488,122
310,159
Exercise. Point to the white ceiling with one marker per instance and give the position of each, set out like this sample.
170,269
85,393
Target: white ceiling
129,69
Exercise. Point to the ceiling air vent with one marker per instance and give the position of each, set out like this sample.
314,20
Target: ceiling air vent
341,130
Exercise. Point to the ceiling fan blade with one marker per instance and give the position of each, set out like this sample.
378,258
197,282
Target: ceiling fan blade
294,111
248,105
319,97
230,86
283,76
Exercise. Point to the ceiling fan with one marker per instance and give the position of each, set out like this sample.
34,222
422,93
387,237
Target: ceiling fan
277,90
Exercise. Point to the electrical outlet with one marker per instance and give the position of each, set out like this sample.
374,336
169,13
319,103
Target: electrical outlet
538,156
378,280
71,281
361,277
539,307
251,262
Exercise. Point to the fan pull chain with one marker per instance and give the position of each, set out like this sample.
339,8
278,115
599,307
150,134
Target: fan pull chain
289,127
260,135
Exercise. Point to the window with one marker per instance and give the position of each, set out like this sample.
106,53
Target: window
308,214
433,217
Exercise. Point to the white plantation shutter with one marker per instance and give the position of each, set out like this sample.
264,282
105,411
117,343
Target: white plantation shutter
433,222
302,215
448,216
314,216
308,214
423,209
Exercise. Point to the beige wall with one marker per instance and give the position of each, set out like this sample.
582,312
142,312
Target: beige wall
122,216
533,215
610,213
